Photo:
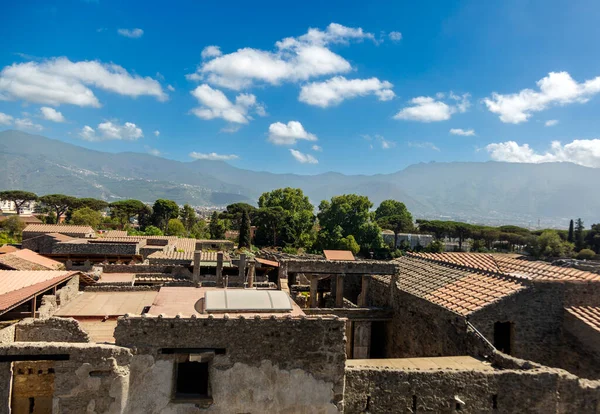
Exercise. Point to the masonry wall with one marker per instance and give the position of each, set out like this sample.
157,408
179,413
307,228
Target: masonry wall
64,295
543,391
580,351
418,327
113,249
50,330
268,365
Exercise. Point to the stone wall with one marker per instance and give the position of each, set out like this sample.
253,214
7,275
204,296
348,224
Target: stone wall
50,330
381,390
109,249
94,379
266,364
582,293
120,288
138,268
418,327
63,296
7,334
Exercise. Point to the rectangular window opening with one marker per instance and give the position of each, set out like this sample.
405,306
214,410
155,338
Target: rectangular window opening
191,381
503,336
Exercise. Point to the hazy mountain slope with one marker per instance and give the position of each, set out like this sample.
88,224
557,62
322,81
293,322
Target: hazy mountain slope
482,192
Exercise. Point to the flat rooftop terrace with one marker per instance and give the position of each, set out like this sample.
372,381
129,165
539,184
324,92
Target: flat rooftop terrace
463,363
100,304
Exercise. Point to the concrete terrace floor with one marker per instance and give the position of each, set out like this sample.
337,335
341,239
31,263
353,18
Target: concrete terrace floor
466,363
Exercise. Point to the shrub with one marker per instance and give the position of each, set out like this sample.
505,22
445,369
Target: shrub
586,254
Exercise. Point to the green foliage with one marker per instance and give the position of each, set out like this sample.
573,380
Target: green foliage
163,211
153,231
86,217
234,213
5,238
126,210
188,217
290,250
579,235
92,203
200,230
18,197
244,240
549,244
593,238
571,236
349,243
216,227
436,246
393,215
58,203
175,228
586,254
439,229
13,226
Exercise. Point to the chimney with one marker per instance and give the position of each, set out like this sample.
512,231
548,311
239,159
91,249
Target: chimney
196,271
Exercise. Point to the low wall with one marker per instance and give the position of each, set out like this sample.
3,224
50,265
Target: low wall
50,330
50,303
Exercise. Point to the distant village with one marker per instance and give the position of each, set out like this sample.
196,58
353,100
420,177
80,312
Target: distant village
284,307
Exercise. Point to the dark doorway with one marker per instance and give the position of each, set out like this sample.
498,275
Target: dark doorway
378,339
503,336
192,380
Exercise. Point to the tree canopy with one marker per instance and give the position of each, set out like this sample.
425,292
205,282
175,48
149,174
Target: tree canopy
126,210
393,215
86,217
216,227
163,211
18,197
58,203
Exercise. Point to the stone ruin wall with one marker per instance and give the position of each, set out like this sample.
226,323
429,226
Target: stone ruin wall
53,329
269,365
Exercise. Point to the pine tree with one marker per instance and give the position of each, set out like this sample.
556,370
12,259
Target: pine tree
244,240
216,227
578,233
570,237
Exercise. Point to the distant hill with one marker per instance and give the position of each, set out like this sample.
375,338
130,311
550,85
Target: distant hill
489,192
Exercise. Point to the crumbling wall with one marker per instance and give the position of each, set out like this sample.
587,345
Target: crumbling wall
7,334
94,378
267,364
418,327
50,303
544,391
50,330
580,351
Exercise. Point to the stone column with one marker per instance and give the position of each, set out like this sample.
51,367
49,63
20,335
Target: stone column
220,269
339,291
196,271
362,340
251,273
242,267
364,290
314,282
282,274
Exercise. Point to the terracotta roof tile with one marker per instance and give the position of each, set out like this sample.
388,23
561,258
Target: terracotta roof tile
338,255
58,228
589,315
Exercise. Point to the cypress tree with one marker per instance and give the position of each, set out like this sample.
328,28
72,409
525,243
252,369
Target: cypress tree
579,242
570,238
244,240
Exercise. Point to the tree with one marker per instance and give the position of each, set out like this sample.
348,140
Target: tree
175,228
393,215
59,203
349,243
153,231
163,211
200,231
216,227
571,236
460,231
551,245
586,254
439,229
593,238
126,210
86,217
294,212
244,240
235,211
578,233
92,203
188,217
18,197
13,226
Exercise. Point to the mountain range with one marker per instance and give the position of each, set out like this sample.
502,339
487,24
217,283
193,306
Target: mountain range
490,192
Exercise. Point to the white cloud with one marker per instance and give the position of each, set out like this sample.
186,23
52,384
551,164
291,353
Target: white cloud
558,88
337,89
211,51
52,114
216,105
156,133
213,156
395,36
294,59
153,151
25,123
131,33
551,122
428,109
230,129
385,144
5,119
170,88
317,148
303,158
60,81
463,132
584,152
112,131
288,134
423,145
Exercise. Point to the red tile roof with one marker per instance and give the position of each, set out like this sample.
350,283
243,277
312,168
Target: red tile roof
26,259
460,290
58,228
589,315
18,286
520,267
267,262
338,254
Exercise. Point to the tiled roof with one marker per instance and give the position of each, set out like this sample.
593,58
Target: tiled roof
116,233
187,256
23,219
338,254
7,249
17,286
460,290
58,228
267,262
28,260
519,267
125,239
589,315
188,245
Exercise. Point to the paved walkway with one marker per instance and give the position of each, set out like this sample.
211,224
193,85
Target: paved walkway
455,362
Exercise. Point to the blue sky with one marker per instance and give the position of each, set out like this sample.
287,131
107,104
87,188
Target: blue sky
372,88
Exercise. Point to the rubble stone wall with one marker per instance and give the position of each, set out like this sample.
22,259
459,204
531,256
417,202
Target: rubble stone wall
113,249
50,330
